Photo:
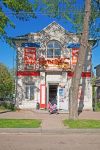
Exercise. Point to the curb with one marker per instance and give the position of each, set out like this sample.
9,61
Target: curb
47,131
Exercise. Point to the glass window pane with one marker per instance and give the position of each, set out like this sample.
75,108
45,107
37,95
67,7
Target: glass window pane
57,52
50,45
53,49
27,92
56,45
50,53
31,92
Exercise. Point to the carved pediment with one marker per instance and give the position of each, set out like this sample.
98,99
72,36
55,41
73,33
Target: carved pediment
54,29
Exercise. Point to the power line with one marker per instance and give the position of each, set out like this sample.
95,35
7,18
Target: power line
40,13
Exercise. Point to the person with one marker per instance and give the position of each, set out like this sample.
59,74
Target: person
52,106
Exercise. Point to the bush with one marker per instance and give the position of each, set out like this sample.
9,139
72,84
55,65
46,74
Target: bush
8,105
98,106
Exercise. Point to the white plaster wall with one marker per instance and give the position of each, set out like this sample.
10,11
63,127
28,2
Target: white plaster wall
88,95
28,104
54,78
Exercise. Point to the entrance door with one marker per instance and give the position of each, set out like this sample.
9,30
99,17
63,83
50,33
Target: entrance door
57,95
53,93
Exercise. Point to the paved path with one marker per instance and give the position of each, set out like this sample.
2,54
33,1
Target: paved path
52,122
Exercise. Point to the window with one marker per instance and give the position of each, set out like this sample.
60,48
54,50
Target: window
29,92
53,49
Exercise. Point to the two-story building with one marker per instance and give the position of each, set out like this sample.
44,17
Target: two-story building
97,82
45,65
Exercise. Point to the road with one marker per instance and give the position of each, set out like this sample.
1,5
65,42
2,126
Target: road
43,141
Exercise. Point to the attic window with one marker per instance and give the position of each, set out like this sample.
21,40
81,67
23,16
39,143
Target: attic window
53,49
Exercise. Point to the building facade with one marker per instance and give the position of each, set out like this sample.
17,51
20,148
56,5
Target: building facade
45,66
97,82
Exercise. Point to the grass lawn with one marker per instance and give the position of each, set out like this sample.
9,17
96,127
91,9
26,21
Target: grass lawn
82,123
20,123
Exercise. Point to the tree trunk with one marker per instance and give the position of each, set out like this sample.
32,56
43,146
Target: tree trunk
73,102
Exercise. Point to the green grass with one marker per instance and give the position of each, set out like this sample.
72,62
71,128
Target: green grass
20,123
82,123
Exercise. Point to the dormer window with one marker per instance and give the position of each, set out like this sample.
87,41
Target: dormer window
53,49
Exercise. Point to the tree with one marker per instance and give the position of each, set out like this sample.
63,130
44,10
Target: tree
79,17
6,82
80,63
21,9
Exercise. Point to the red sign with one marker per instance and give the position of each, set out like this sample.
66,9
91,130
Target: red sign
27,73
29,55
86,74
83,75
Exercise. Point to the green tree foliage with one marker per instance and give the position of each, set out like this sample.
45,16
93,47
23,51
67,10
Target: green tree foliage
56,8
94,26
21,9
72,11
62,9
6,82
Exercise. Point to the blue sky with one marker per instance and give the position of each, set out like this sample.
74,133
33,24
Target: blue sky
8,54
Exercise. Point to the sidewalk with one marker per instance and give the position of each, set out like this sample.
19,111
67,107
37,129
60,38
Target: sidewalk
50,123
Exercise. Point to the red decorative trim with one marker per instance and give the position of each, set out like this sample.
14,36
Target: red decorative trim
27,73
83,75
41,104
75,49
86,74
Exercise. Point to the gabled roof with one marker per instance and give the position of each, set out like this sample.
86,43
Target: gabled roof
25,37
52,24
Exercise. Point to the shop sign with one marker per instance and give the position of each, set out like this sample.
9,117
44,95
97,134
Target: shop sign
61,63
29,55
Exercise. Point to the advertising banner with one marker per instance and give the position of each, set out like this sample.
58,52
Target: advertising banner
62,102
55,63
29,55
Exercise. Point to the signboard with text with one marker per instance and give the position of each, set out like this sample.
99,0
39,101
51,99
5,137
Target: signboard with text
55,63
29,55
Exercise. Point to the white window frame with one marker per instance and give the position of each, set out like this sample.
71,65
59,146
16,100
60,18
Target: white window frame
28,95
54,48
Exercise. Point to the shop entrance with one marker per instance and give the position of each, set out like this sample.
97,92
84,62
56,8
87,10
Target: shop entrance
53,88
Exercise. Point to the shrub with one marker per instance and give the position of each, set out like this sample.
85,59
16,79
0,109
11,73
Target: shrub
9,105
98,106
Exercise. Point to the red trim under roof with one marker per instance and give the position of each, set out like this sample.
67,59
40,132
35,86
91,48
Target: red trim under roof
27,73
